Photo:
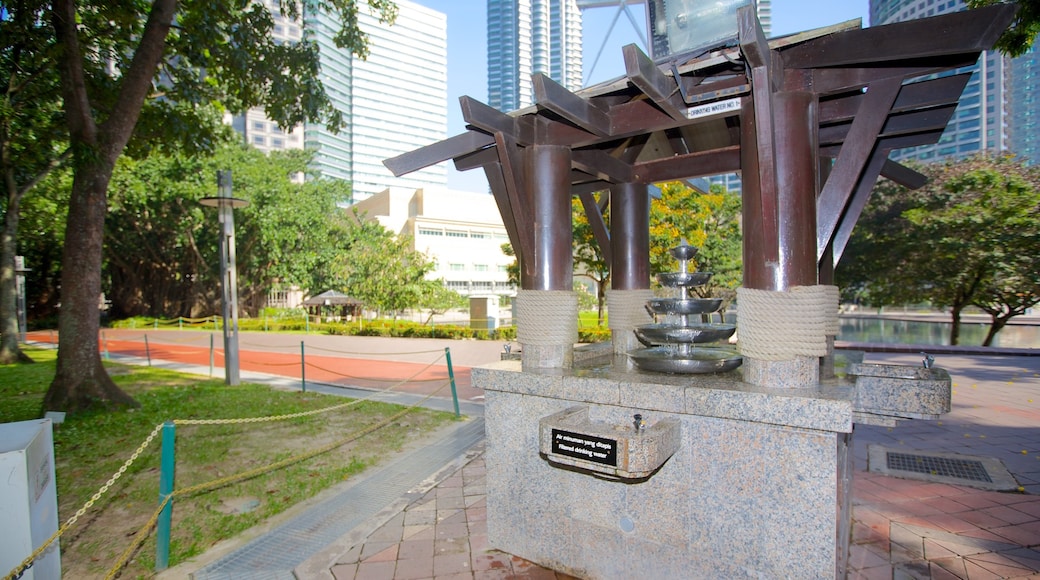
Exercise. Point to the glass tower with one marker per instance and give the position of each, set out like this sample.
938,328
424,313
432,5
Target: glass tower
997,110
527,37
393,102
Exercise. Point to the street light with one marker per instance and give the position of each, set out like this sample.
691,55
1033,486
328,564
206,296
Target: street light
228,274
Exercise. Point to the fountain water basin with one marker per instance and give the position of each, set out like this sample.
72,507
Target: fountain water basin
682,346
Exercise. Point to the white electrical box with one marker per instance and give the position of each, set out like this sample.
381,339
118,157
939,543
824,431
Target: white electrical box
28,498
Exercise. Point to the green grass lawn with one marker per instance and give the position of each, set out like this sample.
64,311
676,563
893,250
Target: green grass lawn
90,447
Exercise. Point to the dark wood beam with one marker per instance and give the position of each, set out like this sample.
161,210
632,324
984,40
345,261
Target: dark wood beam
435,153
893,143
956,33
486,118
895,124
497,182
856,204
693,165
589,187
850,163
919,95
829,81
600,165
903,175
596,222
661,88
755,47
552,96
478,159
515,189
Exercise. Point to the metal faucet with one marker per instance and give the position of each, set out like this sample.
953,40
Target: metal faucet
638,422
928,361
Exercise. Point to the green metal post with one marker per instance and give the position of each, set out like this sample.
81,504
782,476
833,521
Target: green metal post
451,377
166,471
180,323
147,351
303,368
307,323
156,323
211,356
104,341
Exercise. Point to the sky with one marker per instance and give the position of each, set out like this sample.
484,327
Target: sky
467,49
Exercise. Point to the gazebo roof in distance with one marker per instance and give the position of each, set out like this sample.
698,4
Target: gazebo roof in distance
331,298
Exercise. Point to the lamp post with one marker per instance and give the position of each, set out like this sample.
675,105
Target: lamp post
228,274
20,270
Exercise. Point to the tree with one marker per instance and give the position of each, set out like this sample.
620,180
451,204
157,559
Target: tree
588,257
1017,39
968,237
113,59
382,270
709,221
33,141
438,298
161,246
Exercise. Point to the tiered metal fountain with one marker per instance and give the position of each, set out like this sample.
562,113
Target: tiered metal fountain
683,346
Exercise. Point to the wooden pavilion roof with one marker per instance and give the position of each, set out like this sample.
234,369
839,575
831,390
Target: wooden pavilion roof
878,90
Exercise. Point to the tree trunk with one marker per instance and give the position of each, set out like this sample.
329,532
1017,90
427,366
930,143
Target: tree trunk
10,352
955,327
996,326
81,382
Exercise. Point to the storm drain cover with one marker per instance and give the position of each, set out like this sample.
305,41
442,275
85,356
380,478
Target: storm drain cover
970,469
981,472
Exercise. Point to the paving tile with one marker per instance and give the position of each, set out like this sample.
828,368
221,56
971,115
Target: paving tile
450,546
1002,566
375,571
387,555
372,548
883,572
936,550
493,560
344,571
1010,514
952,564
458,576
861,557
1021,535
976,572
1027,557
415,569
415,549
451,564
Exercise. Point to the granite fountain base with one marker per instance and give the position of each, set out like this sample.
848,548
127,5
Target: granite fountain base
757,486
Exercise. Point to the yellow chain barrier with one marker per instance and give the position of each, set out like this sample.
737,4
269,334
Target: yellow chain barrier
21,568
142,534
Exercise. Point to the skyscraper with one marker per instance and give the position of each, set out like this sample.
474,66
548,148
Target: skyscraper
393,102
997,110
531,36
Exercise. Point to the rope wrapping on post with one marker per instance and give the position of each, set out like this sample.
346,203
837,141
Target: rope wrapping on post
627,309
783,325
547,317
833,299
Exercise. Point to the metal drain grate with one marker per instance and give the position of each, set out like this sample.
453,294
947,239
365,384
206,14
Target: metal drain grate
942,466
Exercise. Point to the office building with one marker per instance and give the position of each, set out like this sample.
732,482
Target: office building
393,102
461,232
527,37
997,110
254,126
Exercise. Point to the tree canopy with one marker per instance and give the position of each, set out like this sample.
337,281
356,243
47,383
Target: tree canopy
969,237
709,221
161,72
1017,39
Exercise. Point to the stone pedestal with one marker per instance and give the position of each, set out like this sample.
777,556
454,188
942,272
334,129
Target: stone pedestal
759,486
